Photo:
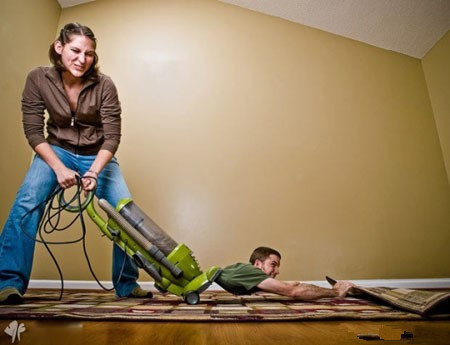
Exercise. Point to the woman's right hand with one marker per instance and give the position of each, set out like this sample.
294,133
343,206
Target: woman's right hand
66,177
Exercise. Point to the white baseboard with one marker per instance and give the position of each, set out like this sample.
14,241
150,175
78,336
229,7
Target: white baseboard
432,283
438,283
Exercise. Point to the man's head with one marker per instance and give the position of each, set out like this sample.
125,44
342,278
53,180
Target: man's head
266,259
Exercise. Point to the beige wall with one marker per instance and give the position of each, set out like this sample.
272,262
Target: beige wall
27,28
436,66
241,129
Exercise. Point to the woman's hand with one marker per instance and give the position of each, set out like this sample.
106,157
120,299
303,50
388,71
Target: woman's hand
89,181
66,177
90,177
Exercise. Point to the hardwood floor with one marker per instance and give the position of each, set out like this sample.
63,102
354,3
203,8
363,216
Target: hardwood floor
56,332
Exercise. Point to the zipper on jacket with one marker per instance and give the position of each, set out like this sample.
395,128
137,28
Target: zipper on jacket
73,113
60,86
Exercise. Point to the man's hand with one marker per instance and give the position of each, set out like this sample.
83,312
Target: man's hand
343,287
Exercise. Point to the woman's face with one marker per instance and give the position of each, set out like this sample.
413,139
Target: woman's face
77,55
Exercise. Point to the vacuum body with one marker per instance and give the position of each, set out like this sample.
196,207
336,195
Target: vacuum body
172,265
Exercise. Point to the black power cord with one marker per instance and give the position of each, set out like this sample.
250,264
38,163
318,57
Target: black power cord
50,222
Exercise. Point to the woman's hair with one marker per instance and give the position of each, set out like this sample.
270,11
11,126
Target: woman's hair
65,36
262,253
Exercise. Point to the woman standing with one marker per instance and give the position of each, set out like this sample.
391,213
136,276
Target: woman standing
83,134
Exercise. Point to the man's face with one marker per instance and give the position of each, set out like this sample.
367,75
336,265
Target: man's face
270,266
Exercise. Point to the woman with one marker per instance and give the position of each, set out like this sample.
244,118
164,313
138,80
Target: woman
83,135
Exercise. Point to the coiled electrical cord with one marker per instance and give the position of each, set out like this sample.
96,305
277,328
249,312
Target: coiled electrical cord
50,222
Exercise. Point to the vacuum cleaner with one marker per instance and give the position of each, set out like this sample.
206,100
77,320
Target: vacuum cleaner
172,265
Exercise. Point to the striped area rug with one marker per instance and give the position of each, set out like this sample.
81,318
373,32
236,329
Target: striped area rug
214,306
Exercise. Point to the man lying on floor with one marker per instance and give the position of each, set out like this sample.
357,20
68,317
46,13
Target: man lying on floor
260,273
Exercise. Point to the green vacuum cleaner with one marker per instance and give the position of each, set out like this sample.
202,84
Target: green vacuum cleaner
171,265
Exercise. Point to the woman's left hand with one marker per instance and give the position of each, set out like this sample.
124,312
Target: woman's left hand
89,181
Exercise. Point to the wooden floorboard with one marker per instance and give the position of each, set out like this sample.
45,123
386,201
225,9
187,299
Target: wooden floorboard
49,332
72,332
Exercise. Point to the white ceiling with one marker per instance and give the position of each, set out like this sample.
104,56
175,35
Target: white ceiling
410,27
70,3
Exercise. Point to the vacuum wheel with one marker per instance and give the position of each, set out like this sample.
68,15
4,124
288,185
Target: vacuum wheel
192,298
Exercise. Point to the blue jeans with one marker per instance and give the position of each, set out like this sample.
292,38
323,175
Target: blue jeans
17,249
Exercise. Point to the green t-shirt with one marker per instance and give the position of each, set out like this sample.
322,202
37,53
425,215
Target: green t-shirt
241,279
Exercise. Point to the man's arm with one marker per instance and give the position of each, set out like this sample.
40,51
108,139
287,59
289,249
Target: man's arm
303,291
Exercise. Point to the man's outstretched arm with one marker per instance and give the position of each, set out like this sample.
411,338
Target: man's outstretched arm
304,291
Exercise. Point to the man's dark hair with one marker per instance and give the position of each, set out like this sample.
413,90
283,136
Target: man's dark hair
65,36
262,253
